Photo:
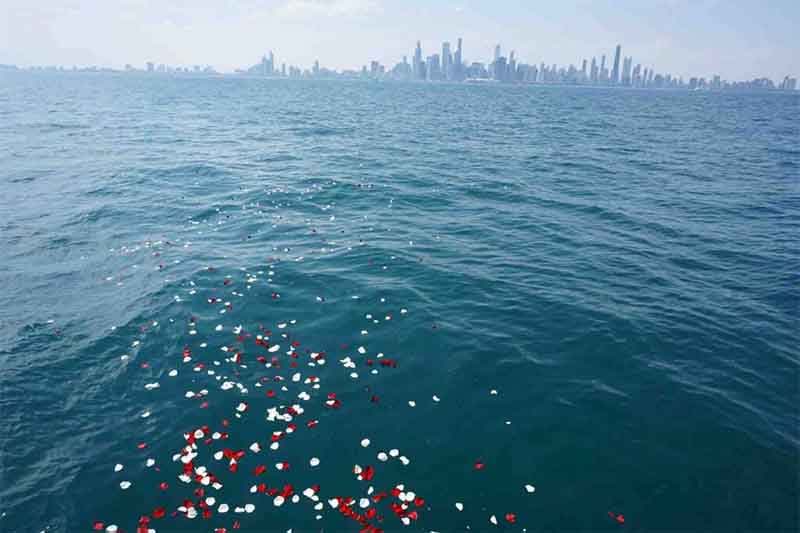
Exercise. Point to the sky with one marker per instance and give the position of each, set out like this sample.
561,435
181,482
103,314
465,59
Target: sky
736,39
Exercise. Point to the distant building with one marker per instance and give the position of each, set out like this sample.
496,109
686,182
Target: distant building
789,84
636,76
500,69
419,70
603,69
458,63
626,71
615,70
434,68
447,62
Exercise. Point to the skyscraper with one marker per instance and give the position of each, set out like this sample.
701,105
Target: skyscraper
603,69
593,71
268,65
419,73
434,68
500,69
497,52
626,71
447,62
615,70
458,63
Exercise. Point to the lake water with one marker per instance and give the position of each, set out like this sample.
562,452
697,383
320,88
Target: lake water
593,292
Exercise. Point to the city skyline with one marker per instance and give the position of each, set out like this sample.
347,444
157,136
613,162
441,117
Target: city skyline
451,65
732,38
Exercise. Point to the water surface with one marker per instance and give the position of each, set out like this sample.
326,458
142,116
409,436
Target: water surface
620,267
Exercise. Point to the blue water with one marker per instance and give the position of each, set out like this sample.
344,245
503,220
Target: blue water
620,267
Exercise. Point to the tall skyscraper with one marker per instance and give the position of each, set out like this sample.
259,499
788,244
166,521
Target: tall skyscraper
593,71
419,73
434,68
447,62
615,70
268,65
458,63
497,52
584,74
626,71
603,69
500,69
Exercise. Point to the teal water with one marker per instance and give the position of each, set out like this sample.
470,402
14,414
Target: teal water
620,267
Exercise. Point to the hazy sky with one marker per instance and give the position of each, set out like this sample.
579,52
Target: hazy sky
735,38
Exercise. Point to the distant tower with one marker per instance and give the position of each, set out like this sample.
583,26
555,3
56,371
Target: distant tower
458,63
497,52
603,69
434,68
626,71
447,61
501,69
615,70
418,71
